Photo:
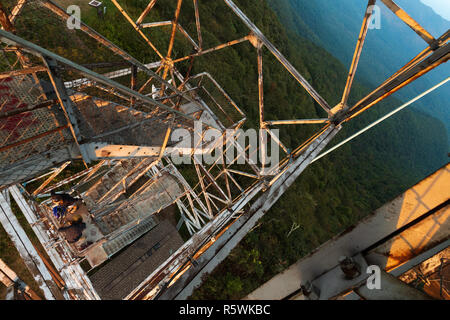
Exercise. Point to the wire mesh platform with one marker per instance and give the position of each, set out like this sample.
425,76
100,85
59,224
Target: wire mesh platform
120,276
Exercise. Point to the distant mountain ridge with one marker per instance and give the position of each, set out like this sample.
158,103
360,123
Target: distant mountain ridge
335,25
438,10
435,9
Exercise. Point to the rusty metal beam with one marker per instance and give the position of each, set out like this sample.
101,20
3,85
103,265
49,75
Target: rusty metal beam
298,121
382,119
38,136
357,53
439,56
422,55
279,56
202,184
44,104
221,46
65,102
38,51
4,20
168,65
115,49
136,28
197,24
413,24
145,12
156,24
24,71
228,183
133,82
217,252
174,29
164,144
426,52
260,85
211,179
63,98
50,179
69,179
16,10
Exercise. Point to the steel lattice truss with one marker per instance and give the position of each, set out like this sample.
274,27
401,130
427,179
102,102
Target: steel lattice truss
119,111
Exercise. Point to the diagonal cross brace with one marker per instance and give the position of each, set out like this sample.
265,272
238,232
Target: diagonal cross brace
413,24
313,93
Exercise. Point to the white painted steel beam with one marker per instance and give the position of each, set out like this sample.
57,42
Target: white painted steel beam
26,250
219,250
72,274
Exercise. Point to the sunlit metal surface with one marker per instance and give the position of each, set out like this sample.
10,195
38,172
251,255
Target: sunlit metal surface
118,116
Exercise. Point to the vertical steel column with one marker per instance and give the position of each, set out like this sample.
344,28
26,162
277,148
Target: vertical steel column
262,134
174,28
133,82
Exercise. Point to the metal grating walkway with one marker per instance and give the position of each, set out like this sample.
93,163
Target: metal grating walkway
116,279
125,238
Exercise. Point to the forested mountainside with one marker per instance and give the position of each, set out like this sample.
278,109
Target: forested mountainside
337,191
335,25
333,193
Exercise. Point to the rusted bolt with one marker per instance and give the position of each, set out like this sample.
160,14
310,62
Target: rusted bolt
349,267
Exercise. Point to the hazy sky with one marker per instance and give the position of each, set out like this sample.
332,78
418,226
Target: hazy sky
440,6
